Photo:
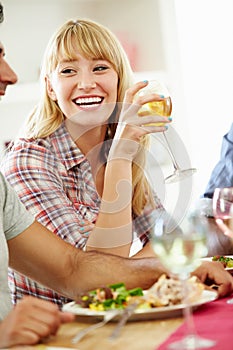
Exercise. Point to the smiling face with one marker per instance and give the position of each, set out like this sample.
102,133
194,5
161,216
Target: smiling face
7,75
84,84
85,71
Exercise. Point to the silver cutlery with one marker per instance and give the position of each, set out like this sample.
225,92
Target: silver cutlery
109,315
128,311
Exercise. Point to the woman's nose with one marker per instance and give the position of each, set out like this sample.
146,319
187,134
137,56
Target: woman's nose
86,84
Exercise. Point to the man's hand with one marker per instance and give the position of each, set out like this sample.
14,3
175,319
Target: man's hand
213,272
31,320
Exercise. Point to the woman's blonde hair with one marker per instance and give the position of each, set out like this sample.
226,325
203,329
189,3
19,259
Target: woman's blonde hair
94,40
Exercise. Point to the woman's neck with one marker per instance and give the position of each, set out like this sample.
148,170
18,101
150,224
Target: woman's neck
91,141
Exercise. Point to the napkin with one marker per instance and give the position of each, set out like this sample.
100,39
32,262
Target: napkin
213,321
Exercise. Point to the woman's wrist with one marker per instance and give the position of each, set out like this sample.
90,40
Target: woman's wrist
124,149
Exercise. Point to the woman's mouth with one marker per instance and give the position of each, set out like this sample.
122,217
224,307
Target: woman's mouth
88,102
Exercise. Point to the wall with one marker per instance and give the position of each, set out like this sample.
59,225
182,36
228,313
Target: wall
188,43
206,49
29,24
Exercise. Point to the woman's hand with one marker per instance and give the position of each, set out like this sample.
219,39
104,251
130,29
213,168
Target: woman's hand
131,127
131,106
86,227
31,320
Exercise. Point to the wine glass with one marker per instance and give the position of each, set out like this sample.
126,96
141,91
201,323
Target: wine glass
163,108
179,250
223,209
223,205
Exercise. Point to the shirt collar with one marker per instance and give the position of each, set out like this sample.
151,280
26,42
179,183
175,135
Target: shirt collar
65,148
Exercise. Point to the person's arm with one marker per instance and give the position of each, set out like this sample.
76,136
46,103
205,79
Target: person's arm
44,257
31,320
113,229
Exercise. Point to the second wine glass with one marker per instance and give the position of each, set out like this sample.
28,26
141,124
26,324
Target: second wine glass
223,205
223,209
179,250
163,108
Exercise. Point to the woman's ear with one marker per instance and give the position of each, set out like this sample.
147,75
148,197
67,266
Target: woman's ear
50,90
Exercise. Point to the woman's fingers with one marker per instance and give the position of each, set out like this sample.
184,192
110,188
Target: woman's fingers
131,109
132,91
132,95
86,227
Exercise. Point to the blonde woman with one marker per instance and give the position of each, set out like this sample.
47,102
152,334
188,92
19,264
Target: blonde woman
79,165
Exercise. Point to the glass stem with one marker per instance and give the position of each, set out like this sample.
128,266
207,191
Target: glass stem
175,164
188,314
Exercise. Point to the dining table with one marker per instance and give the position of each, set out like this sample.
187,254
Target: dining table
213,320
135,335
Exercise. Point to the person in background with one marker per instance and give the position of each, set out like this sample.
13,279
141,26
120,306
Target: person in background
222,174
79,165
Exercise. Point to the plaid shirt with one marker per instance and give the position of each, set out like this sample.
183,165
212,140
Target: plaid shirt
54,181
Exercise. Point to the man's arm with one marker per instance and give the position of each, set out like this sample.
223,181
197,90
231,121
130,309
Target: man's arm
41,255
46,258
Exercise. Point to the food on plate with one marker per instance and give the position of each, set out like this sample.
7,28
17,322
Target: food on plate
225,260
169,291
115,296
165,292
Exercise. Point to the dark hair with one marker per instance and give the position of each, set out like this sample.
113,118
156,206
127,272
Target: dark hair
1,13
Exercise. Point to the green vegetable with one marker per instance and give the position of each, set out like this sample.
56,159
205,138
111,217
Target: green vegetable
120,296
116,285
227,261
136,291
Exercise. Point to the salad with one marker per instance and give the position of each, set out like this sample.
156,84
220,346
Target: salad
114,296
225,260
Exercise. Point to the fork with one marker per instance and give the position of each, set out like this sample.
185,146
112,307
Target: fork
108,316
128,311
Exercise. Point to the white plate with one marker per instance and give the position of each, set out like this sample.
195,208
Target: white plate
230,269
142,314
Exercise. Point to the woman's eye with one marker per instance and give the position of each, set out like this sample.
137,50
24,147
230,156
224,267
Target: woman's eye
100,68
67,71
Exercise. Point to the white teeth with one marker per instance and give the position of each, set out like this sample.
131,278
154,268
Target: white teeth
88,100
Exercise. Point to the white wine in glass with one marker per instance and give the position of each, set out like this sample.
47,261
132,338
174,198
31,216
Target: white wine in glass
180,250
163,108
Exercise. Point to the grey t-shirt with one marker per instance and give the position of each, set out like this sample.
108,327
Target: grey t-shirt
14,219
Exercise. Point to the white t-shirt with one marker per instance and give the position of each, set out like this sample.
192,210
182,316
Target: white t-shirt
14,219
